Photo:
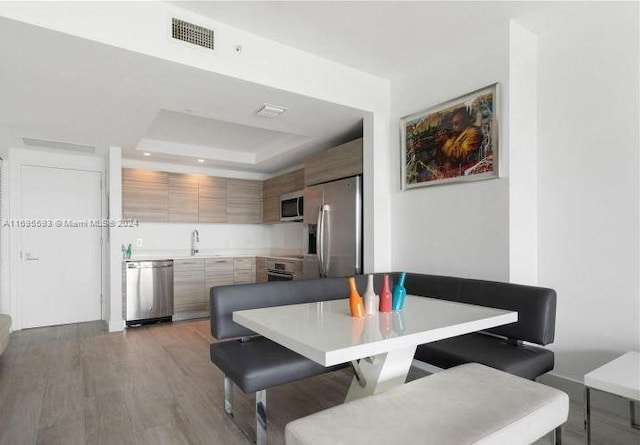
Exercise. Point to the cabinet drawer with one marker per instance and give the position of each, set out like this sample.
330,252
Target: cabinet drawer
244,263
218,272
243,276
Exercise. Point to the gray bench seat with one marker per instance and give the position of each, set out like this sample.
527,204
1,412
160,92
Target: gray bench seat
468,404
522,360
254,363
502,347
260,363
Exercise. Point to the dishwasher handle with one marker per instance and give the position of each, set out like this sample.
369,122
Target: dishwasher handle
148,264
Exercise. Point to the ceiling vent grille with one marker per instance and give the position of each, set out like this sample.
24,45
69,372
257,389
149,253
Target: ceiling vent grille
194,34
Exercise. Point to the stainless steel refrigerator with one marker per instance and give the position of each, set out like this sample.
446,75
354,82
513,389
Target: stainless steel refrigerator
333,229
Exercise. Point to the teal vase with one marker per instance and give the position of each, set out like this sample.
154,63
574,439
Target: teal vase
399,293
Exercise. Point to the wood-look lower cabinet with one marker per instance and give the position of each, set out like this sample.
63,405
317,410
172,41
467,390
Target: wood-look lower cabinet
261,269
244,201
183,197
145,195
335,163
217,272
244,270
188,288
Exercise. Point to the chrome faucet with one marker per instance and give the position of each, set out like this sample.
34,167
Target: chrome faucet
195,239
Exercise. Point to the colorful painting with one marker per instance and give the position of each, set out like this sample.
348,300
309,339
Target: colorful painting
452,142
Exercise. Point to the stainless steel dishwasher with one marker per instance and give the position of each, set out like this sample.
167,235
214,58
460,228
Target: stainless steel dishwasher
149,292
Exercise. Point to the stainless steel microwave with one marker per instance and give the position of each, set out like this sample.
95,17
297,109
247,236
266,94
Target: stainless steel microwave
292,206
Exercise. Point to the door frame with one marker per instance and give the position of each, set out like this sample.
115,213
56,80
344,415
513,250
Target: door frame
18,158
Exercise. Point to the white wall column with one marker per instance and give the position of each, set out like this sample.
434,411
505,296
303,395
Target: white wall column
116,322
523,155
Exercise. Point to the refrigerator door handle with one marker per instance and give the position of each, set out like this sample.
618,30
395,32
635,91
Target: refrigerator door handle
319,243
326,226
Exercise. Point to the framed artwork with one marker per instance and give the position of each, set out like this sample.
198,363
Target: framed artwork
454,141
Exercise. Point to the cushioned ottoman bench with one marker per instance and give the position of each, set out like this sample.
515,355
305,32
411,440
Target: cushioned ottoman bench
464,405
5,324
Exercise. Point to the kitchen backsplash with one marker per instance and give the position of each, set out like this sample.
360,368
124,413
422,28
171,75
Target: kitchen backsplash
215,238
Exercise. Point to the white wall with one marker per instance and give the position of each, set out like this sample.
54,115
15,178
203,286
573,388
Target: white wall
588,182
588,192
523,155
458,229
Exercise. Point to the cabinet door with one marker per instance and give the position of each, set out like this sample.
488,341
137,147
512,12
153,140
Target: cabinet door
244,201
183,197
315,169
188,286
345,160
212,199
218,272
271,200
261,269
244,270
336,163
145,195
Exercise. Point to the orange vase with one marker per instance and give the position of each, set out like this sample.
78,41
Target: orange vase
355,301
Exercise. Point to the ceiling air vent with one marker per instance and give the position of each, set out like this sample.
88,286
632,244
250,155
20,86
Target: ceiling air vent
194,34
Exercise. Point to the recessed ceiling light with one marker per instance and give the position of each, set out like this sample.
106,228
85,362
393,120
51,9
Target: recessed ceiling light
146,153
201,160
269,110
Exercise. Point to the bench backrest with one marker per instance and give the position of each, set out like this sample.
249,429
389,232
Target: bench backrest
536,306
226,299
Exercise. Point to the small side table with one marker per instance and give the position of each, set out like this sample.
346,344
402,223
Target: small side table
620,377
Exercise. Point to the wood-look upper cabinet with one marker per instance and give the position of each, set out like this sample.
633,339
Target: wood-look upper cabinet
183,197
335,163
276,186
244,201
145,195
188,286
212,199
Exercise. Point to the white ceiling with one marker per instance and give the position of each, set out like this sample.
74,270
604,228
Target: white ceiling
383,38
68,90
63,89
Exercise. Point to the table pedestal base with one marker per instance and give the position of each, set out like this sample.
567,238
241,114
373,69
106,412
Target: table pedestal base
379,373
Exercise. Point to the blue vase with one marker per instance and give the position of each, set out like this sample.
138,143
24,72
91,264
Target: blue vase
399,293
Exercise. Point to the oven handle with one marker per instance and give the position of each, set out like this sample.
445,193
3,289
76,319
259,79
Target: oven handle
280,274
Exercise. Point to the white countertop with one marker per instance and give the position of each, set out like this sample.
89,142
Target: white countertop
326,333
183,256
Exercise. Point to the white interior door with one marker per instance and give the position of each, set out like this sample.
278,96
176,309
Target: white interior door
61,267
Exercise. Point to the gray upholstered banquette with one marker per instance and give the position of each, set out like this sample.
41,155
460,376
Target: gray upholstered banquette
255,363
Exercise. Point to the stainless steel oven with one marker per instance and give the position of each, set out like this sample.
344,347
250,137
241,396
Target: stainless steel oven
279,271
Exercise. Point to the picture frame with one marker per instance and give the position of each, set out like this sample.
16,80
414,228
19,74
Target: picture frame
455,141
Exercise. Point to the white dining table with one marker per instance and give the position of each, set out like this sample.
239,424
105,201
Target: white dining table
379,347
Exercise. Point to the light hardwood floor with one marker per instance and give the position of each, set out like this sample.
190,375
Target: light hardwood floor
77,384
